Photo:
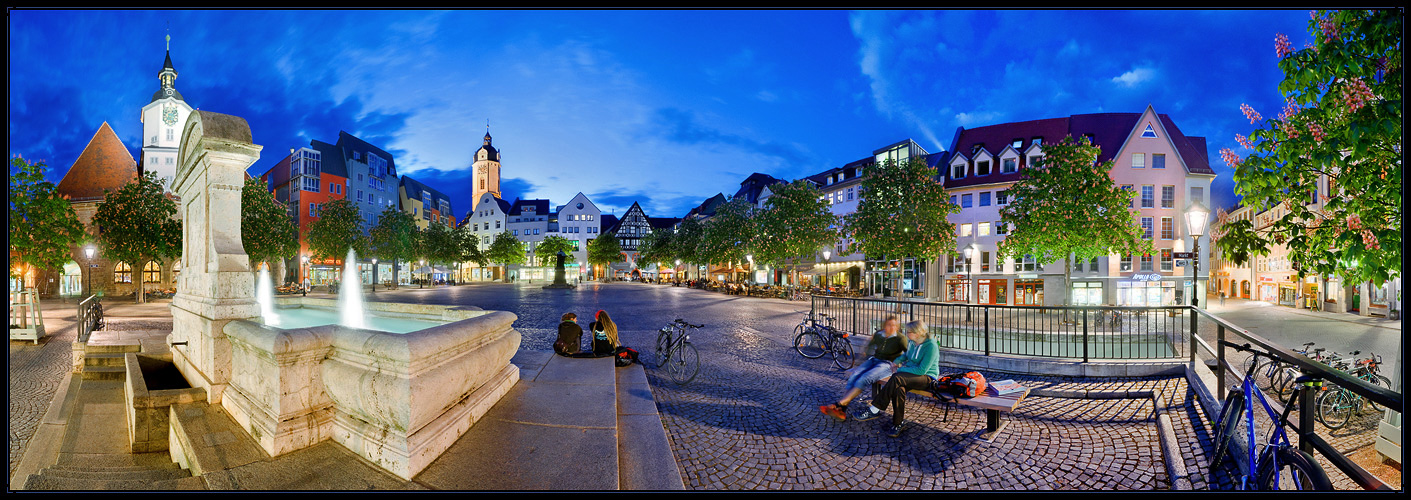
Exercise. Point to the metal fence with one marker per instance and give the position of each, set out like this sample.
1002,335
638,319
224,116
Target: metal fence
90,317
1072,332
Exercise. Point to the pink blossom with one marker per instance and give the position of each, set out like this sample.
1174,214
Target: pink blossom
1330,30
1370,240
1231,159
1354,222
1316,131
1282,47
1250,113
1244,141
1290,110
1289,129
1356,94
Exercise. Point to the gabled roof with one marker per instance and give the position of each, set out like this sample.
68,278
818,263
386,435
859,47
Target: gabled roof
104,164
663,222
541,207
414,188
752,185
1192,149
349,143
330,158
609,223
707,208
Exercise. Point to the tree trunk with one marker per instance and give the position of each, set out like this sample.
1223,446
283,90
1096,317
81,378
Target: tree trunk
137,280
1067,284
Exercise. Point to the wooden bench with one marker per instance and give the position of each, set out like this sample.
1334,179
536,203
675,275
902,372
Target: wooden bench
991,401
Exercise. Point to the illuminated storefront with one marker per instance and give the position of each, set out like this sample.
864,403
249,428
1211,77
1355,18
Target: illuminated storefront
1146,289
1028,292
1087,293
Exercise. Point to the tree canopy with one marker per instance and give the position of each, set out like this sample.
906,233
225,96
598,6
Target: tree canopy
337,228
267,230
657,247
1340,129
550,247
137,224
729,235
902,213
795,225
43,226
506,250
604,250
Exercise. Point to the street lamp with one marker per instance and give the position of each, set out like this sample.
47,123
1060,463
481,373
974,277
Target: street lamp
827,254
88,252
304,268
422,283
1197,217
374,275
970,251
749,274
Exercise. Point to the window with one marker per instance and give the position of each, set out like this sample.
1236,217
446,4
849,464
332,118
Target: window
360,196
1148,196
1034,161
952,199
1166,263
311,211
170,134
1018,143
965,200
849,194
985,199
311,184
983,229
497,224
360,177
536,231
1146,227
1009,165
1138,160
958,171
1078,265
1002,197
514,232
1037,141
1158,160
1197,194
1168,196
1127,262
169,159
475,227
1001,228
982,168
985,261
175,270
1128,187
1149,133
1167,229
1146,263
964,230
152,273
122,273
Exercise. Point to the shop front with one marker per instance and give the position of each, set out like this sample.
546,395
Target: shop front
1288,292
1268,290
992,291
1146,289
71,281
1087,293
958,288
897,278
1028,292
1310,292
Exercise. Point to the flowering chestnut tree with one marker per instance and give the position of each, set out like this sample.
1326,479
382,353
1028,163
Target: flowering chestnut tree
1068,207
795,225
267,230
137,224
43,226
1341,124
903,213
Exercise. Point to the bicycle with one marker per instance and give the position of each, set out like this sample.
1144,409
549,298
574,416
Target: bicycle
675,352
812,340
1274,371
1335,405
1280,465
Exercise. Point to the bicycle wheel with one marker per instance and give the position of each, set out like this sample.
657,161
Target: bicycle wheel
663,341
684,364
1268,373
809,344
1334,408
1282,381
1289,468
1225,426
1380,381
842,351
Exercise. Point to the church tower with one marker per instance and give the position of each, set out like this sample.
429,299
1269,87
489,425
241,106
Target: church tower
162,122
487,169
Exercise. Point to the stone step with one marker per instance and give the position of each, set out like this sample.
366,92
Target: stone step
43,482
105,359
113,475
112,348
130,468
104,373
157,460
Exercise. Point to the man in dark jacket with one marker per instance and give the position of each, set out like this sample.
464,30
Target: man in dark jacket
570,335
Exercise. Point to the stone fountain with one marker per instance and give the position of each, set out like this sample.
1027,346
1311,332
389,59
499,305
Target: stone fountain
397,399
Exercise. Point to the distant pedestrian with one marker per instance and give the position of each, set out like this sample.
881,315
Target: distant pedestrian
1222,299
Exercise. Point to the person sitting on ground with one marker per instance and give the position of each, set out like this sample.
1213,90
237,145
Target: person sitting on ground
915,370
570,336
605,342
884,348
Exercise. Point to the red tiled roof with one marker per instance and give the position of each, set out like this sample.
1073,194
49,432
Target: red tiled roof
104,164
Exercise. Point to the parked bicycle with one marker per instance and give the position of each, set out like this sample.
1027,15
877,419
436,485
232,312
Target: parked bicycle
1279,465
675,352
813,339
1336,405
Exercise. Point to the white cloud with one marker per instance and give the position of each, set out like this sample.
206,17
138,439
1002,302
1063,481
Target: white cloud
980,118
1135,76
766,96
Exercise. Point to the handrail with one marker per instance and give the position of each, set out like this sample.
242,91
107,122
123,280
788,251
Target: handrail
85,317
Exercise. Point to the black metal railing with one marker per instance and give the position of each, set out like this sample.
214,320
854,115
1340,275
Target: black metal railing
1072,332
1308,438
90,317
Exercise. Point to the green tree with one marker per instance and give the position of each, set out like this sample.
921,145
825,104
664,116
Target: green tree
551,246
137,224
795,224
337,228
685,242
657,247
43,226
1341,123
603,251
267,230
902,213
729,234
439,244
1069,207
469,245
506,250
393,239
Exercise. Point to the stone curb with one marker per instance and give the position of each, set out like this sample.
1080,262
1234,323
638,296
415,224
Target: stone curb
43,447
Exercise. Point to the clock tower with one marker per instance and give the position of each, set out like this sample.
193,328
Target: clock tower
163,119
486,166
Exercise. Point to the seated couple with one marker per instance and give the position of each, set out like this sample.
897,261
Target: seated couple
605,342
899,363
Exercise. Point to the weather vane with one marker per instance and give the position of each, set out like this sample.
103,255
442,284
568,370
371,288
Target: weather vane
169,36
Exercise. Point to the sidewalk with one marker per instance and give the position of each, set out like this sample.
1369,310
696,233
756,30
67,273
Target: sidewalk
1213,305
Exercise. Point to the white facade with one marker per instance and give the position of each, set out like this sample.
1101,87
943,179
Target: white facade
163,119
580,221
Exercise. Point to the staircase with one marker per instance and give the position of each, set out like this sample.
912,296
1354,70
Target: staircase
142,471
105,361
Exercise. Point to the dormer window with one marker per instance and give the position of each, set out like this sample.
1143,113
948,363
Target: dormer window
982,168
1009,165
1036,141
958,171
1092,139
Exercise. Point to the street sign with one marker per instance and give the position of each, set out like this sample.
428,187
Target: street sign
1184,255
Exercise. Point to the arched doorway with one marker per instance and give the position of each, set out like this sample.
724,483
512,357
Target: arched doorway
1244,289
71,280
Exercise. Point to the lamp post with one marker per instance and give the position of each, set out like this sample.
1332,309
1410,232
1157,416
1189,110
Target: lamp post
827,254
970,251
1197,217
305,271
374,275
422,283
749,274
88,253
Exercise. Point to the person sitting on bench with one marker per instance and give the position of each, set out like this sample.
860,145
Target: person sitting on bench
885,347
915,370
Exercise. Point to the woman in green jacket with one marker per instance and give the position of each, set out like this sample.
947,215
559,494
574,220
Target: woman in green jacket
915,370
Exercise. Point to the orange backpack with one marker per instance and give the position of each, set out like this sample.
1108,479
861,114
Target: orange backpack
964,385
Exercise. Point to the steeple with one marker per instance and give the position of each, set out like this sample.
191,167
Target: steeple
168,77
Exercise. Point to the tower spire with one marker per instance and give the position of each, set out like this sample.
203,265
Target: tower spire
168,36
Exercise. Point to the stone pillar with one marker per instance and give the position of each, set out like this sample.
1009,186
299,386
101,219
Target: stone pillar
215,285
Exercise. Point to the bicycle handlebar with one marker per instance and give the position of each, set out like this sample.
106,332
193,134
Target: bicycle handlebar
683,322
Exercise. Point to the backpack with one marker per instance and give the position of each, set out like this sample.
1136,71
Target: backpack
964,385
624,357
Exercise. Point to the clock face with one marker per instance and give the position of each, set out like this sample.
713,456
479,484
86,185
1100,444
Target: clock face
482,169
169,114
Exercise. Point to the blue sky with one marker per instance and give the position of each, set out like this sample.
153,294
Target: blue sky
666,108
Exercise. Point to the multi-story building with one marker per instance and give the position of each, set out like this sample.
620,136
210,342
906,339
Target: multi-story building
427,206
529,223
631,230
579,221
1168,169
163,119
1233,280
488,219
307,178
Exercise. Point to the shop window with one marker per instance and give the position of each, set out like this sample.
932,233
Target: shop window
122,273
152,273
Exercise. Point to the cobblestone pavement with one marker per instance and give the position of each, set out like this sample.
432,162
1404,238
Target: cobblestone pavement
750,420
37,370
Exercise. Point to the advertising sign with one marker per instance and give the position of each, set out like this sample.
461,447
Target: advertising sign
1146,277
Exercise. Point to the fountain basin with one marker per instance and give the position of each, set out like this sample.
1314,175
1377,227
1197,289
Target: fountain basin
397,399
152,385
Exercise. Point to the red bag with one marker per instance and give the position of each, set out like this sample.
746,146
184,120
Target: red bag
966,385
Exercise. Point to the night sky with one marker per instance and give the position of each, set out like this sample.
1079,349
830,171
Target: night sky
666,108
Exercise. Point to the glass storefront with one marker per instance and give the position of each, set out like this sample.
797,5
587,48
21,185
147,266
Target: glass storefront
1287,292
1146,293
1087,293
1029,293
958,289
993,291
887,278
